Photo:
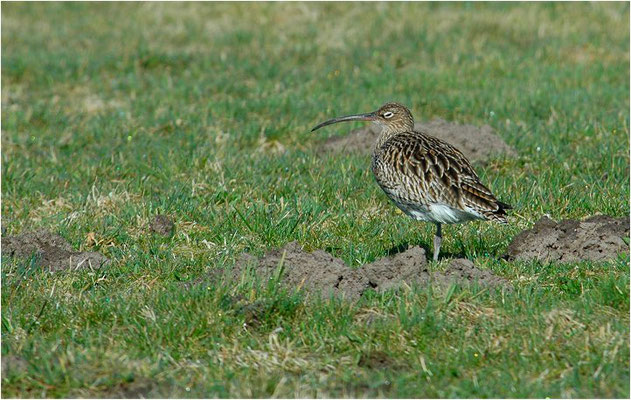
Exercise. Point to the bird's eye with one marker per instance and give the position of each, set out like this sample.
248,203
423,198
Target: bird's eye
388,114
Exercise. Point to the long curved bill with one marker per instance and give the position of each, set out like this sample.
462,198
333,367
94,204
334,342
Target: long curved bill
356,117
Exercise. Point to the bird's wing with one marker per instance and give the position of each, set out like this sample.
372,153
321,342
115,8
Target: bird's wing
437,172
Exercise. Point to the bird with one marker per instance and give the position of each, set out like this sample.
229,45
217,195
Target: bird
427,178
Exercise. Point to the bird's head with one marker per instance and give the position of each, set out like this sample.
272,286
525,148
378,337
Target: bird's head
392,117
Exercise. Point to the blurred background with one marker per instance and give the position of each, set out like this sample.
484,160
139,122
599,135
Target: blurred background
117,88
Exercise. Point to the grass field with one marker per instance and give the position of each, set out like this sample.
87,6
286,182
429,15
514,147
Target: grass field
113,113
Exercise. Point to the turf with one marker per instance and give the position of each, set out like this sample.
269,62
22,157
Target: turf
113,113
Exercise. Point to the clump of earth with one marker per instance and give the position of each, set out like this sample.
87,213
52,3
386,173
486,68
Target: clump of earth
320,272
50,251
477,144
162,225
597,238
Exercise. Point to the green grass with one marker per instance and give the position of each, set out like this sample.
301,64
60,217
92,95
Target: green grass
112,113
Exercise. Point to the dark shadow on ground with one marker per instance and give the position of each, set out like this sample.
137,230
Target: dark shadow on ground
429,250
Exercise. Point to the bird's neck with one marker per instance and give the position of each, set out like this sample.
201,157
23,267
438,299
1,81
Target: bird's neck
388,132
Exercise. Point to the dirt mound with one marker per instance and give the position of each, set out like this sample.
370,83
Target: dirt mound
477,144
51,251
597,238
462,270
320,272
162,225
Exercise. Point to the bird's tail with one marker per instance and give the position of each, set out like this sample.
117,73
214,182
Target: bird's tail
499,215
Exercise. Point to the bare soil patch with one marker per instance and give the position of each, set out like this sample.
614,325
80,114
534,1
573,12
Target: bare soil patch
461,270
477,144
320,272
13,365
597,238
162,225
51,251
378,360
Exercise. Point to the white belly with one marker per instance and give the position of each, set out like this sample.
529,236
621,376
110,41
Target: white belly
437,213
440,213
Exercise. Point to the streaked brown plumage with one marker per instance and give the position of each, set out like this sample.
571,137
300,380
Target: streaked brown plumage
427,178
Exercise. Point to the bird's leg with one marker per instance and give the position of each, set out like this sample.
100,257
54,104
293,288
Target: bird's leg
438,238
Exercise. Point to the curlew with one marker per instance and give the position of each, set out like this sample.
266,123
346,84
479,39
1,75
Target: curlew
427,178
